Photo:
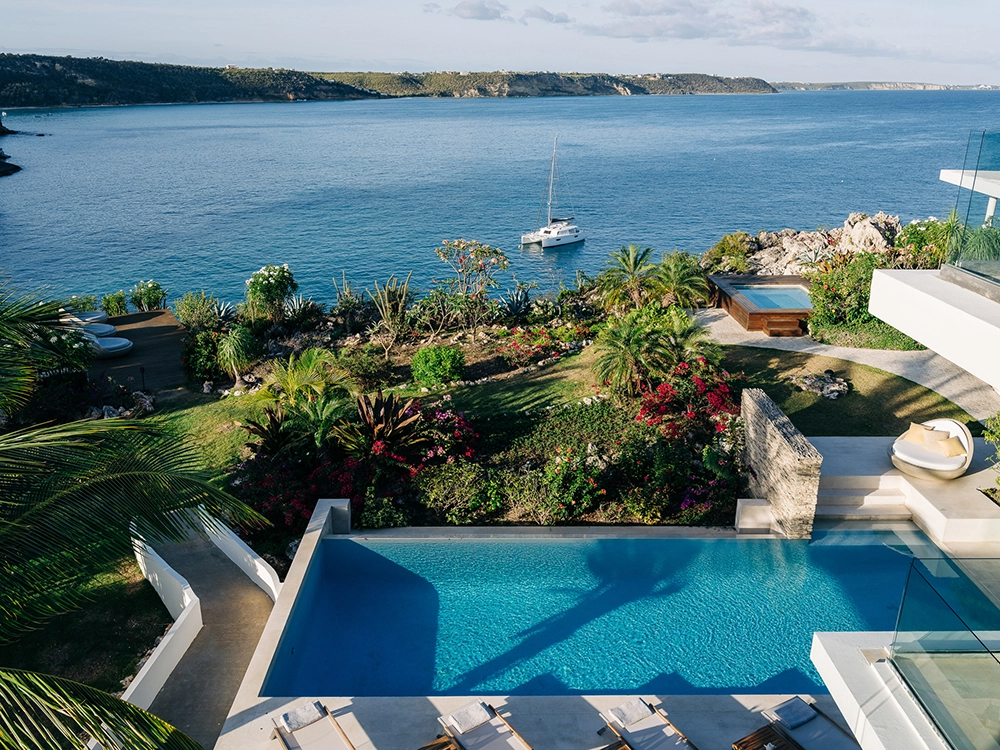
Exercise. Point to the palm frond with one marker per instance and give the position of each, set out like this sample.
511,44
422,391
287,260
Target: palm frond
41,712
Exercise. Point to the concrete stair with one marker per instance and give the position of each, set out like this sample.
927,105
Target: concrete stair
843,498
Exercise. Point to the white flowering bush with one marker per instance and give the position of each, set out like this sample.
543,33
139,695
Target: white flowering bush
148,295
267,291
59,349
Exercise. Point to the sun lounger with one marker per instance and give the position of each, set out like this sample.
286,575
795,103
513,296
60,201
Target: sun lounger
310,727
108,347
100,329
640,726
802,726
82,318
479,726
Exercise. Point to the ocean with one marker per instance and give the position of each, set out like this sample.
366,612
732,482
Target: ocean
200,196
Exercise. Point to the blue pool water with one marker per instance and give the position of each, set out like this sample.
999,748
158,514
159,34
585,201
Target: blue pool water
777,297
581,616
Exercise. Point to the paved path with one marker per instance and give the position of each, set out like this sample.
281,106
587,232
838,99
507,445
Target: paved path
924,367
197,695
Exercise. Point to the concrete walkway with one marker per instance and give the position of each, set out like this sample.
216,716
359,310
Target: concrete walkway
199,692
923,367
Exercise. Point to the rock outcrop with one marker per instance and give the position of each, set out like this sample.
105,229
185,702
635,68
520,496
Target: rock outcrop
792,252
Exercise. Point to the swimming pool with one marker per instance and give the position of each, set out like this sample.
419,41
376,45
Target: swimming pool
580,616
776,297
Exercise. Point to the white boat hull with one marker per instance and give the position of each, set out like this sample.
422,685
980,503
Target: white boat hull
553,239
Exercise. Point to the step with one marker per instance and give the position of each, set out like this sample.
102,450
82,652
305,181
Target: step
841,482
863,513
782,328
887,496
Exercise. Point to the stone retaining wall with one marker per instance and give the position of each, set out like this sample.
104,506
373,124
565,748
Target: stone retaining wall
784,465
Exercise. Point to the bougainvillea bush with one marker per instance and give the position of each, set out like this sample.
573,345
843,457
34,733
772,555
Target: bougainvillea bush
521,346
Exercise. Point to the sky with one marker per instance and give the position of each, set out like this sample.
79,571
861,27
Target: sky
778,40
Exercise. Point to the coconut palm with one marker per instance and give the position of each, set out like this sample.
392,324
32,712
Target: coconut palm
629,278
680,280
237,352
74,498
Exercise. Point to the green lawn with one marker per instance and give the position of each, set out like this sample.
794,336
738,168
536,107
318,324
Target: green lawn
879,403
100,644
567,381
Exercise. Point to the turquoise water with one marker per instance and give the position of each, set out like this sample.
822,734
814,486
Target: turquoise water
202,195
776,297
604,616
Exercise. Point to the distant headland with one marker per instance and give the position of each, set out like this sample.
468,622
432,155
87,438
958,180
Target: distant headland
879,86
46,81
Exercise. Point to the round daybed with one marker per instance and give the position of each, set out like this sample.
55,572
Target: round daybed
82,318
920,459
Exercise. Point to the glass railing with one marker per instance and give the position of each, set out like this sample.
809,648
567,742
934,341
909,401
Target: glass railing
946,647
974,245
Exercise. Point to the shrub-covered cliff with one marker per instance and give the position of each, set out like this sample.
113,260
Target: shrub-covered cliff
43,81
503,83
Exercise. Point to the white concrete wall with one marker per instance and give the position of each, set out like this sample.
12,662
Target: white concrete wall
245,559
185,607
958,324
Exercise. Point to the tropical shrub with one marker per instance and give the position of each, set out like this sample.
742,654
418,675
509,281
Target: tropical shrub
197,311
115,303
476,267
148,295
840,293
382,512
924,244
572,485
731,254
459,493
697,403
978,243
304,377
436,364
521,346
267,290
350,304
200,356
59,398
386,426
303,314
366,367
85,303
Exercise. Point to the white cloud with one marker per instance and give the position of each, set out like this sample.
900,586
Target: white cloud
539,13
481,10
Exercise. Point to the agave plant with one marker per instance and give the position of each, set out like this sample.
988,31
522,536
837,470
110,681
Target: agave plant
224,310
387,426
518,300
392,302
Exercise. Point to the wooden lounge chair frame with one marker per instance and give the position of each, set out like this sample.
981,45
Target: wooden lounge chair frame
276,734
750,742
458,741
655,710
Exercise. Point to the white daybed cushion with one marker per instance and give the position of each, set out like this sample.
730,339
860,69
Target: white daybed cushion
95,316
469,717
792,713
100,329
630,712
925,458
303,716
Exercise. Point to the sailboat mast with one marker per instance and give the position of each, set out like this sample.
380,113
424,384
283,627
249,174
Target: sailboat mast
552,175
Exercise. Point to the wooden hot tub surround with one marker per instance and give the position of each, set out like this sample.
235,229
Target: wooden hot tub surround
773,322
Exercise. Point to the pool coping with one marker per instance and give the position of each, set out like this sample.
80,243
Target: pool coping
251,717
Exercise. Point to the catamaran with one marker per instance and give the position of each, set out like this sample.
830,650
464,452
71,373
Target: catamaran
558,231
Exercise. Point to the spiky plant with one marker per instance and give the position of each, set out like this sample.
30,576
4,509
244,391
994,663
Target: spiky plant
680,280
629,353
386,425
392,301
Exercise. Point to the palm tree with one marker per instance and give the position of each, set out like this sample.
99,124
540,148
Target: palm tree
305,378
74,497
629,354
682,339
629,278
237,352
680,280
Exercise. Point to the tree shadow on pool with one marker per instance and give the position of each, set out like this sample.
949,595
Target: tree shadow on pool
613,563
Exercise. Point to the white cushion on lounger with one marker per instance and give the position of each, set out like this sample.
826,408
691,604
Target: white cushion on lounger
926,458
303,716
792,713
469,717
630,712
95,316
100,329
